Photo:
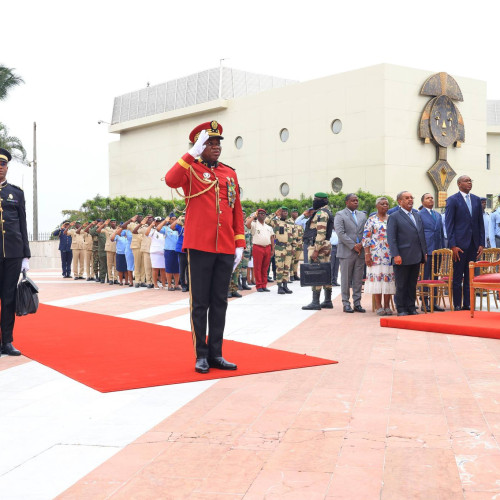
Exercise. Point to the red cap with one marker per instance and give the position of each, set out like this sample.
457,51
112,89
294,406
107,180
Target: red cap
213,128
261,210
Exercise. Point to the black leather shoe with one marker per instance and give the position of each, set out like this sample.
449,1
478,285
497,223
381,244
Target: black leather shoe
184,288
260,289
413,312
236,294
229,294
10,350
76,278
348,309
403,313
202,365
149,286
359,309
143,285
296,278
266,290
221,364
335,284
462,308
137,285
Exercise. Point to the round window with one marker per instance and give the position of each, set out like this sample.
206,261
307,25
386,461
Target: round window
337,185
336,126
284,134
238,142
284,189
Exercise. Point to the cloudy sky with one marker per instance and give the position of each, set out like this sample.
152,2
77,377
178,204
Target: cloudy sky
76,57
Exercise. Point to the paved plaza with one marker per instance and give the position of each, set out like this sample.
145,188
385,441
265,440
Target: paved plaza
403,415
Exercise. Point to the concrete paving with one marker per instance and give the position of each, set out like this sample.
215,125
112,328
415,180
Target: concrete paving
403,415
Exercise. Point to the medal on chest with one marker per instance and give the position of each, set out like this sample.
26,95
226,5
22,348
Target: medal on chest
206,175
231,191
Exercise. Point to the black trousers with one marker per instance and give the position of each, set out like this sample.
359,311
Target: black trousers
9,276
183,269
66,258
461,274
406,286
209,274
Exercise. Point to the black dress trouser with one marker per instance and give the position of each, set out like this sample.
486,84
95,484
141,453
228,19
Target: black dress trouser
209,274
406,286
66,258
9,276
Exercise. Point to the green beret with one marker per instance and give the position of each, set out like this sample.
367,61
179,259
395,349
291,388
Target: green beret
112,220
295,209
321,195
284,208
140,215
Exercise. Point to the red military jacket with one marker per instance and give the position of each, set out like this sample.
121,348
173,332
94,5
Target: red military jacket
214,218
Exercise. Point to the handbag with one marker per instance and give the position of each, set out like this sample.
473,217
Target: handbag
27,296
315,274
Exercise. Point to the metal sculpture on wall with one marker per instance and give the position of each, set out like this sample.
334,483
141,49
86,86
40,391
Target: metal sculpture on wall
442,122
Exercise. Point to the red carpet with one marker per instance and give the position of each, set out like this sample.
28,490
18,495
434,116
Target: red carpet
484,324
115,354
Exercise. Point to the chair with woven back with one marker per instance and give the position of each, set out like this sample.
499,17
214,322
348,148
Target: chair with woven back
441,280
488,255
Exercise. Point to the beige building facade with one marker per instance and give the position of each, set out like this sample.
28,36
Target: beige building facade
355,130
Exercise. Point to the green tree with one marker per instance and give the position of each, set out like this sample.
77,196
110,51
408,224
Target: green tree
8,80
12,144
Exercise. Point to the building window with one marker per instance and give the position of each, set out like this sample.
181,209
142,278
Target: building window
337,185
284,134
238,142
488,164
284,189
489,200
336,126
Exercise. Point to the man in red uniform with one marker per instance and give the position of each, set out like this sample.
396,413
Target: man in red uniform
214,238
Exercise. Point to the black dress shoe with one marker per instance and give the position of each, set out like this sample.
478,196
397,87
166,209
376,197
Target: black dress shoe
76,278
9,349
335,284
296,278
202,365
221,364
236,294
149,286
348,309
184,288
260,289
462,308
103,281
404,313
143,285
266,290
359,309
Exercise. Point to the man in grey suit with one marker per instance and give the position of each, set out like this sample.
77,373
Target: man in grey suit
406,238
349,225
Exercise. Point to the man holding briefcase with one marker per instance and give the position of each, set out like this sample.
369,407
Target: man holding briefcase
321,248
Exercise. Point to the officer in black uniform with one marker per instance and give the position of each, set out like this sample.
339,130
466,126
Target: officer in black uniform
14,251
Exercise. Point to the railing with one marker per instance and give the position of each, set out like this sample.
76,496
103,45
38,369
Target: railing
41,236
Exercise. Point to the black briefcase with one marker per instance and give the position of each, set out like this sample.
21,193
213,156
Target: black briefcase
315,274
27,297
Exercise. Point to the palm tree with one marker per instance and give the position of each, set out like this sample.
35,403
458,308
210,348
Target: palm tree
8,80
12,144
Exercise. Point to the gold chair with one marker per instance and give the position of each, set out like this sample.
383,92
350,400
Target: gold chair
441,280
485,281
488,255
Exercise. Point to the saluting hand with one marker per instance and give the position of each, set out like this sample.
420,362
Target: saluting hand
199,145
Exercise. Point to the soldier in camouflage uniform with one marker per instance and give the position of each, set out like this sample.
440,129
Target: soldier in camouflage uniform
247,255
296,246
101,242
235,277
320,250
283,231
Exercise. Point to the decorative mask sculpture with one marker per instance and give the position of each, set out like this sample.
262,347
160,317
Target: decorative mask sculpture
442,123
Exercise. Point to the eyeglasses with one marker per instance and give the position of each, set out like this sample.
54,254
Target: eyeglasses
3,163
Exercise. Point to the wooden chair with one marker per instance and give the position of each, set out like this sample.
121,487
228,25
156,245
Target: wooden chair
488,281
488,255
441,280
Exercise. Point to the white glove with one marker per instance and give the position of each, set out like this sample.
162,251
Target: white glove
238,254
25,265
199,145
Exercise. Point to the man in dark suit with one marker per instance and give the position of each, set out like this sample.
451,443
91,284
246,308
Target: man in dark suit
434,235
405,235
465,230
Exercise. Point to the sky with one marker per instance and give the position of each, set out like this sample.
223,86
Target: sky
75,58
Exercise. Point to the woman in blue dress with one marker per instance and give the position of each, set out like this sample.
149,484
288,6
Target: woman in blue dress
171,259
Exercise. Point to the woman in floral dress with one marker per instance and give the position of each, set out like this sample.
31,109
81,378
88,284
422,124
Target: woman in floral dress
379,271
